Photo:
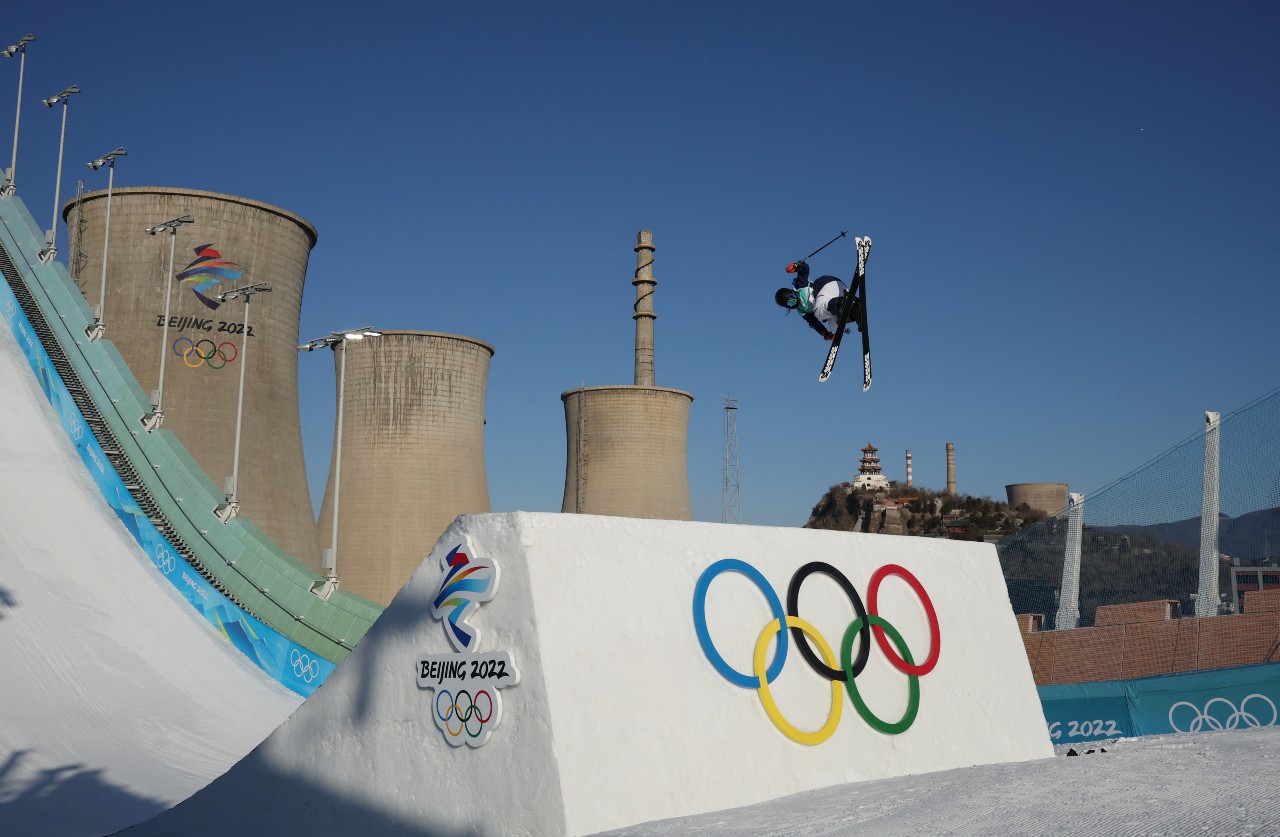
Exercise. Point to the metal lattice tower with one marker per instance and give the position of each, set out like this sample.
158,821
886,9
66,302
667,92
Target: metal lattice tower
731,507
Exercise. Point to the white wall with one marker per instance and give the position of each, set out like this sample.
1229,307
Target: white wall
619,718
117,699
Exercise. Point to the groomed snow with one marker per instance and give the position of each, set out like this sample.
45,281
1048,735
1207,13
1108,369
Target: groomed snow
1215,783
117,700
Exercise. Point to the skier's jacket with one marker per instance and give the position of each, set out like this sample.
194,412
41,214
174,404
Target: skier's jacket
818,301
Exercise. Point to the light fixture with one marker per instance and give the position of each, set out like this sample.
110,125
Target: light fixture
230,507
98,327
50,250
107,159
20,46
333,340
61,98
152,420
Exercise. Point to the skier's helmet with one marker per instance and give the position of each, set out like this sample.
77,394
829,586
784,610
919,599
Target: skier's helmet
786,297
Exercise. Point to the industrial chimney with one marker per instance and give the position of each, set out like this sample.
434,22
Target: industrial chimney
644,315
951,468
908,469
626,452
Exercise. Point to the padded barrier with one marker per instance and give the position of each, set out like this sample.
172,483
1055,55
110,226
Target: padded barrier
1246,697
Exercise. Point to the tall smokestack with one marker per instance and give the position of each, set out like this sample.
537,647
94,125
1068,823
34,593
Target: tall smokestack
644,315
627,445
951,468
908,469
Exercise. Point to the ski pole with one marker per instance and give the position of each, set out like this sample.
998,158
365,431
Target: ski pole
842,234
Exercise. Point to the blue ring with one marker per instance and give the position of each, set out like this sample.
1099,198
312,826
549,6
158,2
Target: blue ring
727,671
452,701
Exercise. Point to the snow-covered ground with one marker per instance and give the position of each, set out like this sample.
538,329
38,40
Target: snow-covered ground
117,700
1214,783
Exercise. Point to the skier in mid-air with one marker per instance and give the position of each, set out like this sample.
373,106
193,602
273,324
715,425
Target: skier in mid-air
819,303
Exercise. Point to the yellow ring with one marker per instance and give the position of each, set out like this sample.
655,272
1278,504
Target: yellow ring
766,697
189,351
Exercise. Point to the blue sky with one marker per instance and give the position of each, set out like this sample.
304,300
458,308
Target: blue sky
1074,209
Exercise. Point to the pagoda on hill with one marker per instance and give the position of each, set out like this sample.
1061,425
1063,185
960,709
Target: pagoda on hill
869,474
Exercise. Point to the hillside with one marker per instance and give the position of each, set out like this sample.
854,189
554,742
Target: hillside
1252,538
899,510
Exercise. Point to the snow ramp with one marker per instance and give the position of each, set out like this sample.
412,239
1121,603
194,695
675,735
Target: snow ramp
568,674
117,699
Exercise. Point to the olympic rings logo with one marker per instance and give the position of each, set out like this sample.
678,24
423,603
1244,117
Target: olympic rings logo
867,622
1206,721
303,666
215,356
165,560
454,712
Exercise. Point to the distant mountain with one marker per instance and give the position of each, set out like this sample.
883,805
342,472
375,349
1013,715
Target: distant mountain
1252,538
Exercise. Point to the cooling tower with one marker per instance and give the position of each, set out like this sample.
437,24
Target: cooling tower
412,453
233,242
1048,497
627,451
627,445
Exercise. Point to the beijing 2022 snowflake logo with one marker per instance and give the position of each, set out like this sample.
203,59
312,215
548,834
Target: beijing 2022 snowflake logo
466,705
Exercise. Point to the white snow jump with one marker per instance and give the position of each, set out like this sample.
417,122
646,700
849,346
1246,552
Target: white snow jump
117,700
558,673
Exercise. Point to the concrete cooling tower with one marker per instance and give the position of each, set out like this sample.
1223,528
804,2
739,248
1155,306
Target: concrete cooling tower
1048,497
412,453
627,445
232,242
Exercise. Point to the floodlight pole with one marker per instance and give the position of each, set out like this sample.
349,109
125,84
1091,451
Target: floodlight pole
337,456
20,48
51,246
152,420
95,329
334,340
231,507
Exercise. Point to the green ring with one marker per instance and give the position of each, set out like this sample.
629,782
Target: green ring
846,663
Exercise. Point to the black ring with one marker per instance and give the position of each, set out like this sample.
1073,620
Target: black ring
802,641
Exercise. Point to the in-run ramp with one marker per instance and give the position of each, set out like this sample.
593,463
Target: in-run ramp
117,700
568,674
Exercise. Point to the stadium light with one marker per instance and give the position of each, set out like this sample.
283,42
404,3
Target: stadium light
51,245
333,340
95,329
20,48
231,507
153,419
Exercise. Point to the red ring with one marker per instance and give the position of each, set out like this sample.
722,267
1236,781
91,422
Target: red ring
935,633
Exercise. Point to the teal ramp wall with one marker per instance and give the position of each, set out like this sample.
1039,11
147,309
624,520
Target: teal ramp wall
1231,698
289,663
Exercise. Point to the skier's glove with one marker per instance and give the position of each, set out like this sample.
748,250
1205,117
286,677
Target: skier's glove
826,335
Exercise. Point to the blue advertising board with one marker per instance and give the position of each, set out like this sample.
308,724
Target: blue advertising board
1245,697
